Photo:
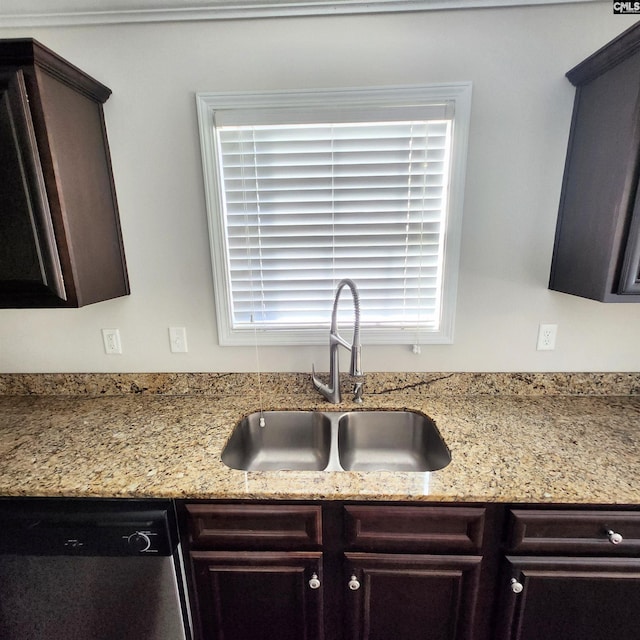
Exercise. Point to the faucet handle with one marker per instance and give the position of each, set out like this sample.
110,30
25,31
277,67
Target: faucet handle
332,395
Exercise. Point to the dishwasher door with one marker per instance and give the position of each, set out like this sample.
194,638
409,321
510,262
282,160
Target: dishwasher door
87,570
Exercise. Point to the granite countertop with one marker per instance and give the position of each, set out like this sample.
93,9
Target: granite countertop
513,437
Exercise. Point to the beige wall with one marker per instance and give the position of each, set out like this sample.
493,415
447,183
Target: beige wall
521,109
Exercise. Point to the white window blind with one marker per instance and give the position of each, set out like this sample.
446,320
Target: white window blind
309,194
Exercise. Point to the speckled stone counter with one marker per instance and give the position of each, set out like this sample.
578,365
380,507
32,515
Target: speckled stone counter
556,438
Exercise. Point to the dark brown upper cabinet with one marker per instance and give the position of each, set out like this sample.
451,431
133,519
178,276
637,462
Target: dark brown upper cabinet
60,238
597,244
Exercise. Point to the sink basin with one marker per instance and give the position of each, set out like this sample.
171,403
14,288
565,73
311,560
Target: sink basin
390,440
336,441
294,440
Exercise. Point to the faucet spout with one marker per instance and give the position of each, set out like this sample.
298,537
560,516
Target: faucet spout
331,391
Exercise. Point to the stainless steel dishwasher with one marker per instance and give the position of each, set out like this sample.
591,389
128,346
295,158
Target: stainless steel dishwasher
76,569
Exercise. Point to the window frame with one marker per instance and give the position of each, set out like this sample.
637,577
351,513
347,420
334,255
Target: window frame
208,103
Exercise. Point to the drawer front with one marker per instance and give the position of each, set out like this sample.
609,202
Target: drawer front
581,531
408,529
254,526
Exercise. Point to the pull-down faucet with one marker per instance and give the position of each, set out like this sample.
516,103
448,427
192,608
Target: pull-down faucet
331,391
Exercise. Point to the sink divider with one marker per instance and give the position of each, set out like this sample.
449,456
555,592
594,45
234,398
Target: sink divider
334,459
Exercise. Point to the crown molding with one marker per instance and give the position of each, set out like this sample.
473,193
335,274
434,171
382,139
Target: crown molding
47,13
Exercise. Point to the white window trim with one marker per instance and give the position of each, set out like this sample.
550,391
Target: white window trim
208,103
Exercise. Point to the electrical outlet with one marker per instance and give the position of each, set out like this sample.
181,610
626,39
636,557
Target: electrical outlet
111,341
178,339
547,337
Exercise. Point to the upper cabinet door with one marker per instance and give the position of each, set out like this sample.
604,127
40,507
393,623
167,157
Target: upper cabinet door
29,264
597,245
61,243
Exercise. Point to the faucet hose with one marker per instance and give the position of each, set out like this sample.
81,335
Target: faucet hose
356,366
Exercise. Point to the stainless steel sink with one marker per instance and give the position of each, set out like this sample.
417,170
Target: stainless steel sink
294,440
390,440
336,441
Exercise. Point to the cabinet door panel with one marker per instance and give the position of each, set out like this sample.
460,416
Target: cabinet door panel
29,263
406,597
92,240
630,272
571,599
258,595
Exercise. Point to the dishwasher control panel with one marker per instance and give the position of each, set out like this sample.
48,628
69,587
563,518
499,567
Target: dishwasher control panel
86,527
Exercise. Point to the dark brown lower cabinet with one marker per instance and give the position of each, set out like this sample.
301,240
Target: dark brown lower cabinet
270,571
259,595
358,571
570,599
422,597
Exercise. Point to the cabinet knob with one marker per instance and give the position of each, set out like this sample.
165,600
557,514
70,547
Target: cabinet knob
516,586
354,584
614,538
314,582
